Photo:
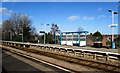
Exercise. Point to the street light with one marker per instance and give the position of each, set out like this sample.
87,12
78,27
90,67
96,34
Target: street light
44,32
112,26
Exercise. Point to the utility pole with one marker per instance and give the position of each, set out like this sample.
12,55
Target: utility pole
44,32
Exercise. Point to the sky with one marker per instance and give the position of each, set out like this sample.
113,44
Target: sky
91,16
60,0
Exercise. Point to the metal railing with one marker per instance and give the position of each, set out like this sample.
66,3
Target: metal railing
95,54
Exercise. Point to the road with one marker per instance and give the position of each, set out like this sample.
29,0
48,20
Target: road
13,63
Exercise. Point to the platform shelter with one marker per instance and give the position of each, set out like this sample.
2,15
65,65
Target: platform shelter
73,38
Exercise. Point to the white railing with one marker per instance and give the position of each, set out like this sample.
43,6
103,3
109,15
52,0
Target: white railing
107,55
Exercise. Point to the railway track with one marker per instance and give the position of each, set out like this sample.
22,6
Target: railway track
85,63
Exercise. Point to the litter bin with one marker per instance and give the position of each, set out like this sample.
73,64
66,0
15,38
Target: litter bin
98,44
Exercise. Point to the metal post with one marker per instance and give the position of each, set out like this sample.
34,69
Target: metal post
55,37
94,56
107,57
85,39
61,39
113,44
75,53
66,38
3,37
83,54
112,26
79,39
11,37
44,34
22,35
72,39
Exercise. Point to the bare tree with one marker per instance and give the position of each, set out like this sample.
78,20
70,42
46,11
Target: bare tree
18,24
80,29
54,30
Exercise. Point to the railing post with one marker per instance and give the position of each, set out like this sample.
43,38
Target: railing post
23,45
107,57
83,54
30,46
74,53
94,56
50,48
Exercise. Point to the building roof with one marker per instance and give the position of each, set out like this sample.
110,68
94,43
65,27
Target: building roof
76,32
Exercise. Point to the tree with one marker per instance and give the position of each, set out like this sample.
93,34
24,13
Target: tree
97,36
49,38
18,24
54,30
7,28
80,29
90,33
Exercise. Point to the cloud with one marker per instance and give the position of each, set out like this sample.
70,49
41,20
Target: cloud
101,16
99,9
25,15
1,9
5,11
73,18
88,18
30,16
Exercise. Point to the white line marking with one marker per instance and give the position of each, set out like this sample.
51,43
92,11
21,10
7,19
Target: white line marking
44,62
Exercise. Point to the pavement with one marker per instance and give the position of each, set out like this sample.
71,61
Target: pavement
12,63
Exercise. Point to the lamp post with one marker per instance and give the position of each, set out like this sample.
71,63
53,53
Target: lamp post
44,32
112,26
22,35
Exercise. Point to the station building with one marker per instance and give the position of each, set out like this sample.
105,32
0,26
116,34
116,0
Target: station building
73,38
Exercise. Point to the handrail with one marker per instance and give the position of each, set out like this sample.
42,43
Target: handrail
107,54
